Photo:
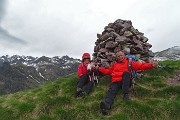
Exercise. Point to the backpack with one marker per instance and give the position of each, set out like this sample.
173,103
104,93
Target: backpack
133,73
131,58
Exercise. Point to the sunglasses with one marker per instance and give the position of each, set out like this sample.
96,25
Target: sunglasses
86,58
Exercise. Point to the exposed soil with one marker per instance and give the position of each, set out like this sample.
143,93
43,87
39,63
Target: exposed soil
174,80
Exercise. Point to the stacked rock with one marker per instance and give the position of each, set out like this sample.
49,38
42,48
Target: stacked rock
120,35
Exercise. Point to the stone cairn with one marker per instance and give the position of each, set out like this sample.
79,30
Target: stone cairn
120,35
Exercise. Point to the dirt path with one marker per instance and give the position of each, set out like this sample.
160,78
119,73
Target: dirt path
174,80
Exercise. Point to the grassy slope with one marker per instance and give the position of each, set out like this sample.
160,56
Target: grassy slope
152,99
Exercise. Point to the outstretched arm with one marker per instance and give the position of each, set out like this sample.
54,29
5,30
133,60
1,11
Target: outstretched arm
144,66
104,70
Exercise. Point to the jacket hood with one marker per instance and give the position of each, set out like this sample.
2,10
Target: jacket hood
86,55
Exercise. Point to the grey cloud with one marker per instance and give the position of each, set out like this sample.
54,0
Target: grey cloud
5,36
2,8
59,27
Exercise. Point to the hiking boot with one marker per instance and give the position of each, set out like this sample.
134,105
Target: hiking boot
80,93
77,93
104,108
126,97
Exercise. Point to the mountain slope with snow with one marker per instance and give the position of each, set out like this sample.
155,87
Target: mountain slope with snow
24,72
169,54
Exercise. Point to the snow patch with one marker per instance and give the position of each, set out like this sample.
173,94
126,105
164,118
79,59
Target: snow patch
34,79
41,75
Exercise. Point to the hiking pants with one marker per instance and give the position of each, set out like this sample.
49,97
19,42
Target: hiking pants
116,86
84,81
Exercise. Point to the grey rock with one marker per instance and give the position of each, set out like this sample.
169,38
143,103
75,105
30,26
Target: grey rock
118,36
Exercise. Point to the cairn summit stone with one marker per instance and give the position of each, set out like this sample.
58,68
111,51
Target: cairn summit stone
120,35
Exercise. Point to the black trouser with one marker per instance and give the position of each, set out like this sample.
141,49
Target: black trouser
84,81
116,86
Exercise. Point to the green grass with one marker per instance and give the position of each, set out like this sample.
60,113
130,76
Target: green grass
152,99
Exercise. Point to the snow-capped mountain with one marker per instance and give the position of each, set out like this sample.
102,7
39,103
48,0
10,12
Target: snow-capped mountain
168,54
22,72
33,61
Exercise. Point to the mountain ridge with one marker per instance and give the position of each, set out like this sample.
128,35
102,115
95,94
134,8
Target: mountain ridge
172,53
24,72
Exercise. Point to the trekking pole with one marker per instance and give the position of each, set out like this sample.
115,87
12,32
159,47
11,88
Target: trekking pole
133,83
89,71
95,80
90,78
168,69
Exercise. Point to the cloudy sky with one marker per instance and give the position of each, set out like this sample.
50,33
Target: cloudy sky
69,27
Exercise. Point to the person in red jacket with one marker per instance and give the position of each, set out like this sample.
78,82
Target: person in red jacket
83,75
121,78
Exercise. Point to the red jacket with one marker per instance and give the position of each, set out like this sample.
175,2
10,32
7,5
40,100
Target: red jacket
82,69
117,69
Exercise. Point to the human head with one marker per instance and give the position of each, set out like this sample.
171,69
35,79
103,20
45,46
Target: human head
126,51
119,56
86,56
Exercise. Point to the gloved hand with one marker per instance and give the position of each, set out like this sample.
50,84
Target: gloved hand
96,71
89,72
154,63
97,67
